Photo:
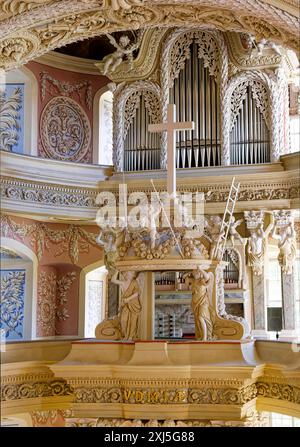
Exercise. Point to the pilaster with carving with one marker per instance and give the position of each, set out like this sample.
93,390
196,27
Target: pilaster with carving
284,232
257,241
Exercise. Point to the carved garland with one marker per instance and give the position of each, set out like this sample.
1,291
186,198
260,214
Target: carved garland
66,88
73,240
126,101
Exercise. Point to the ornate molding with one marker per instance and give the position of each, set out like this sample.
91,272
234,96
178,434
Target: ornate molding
53,25
55,196
35,389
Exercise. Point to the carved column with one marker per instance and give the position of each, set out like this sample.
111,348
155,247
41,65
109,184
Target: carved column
259,305
284,232
256,249
148,309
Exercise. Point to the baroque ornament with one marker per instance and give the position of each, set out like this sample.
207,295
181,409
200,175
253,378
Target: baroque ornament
53,301
54,25
257,240
65,130
12,302
66,88
31,389
10,118
283,230
73,239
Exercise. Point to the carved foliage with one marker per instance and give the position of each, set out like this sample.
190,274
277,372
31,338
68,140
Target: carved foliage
207,50
10,118
65,130
259,94
73,240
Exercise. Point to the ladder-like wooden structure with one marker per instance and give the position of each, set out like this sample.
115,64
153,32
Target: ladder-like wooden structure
224,229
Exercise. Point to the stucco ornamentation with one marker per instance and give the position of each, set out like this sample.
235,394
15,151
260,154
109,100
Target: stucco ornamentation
12,302
72,240
65,130
53,301
66,88
10,118
54,25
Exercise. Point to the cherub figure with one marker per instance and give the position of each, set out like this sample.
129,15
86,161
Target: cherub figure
124,49
214,224
264,43
233,234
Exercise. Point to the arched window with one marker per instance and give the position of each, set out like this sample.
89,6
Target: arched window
18,111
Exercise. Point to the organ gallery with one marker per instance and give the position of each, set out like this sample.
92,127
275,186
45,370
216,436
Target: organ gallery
150,265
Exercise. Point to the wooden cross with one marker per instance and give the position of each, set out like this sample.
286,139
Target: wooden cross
171,126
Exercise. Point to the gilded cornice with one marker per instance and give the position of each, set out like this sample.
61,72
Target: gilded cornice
40,29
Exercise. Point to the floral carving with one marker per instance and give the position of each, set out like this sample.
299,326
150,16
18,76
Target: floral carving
63,286
46,304
16,49
59,24
65,130
12,302
29,390
9,118
52,300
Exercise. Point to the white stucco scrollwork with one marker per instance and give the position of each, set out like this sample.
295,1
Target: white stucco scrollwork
125,104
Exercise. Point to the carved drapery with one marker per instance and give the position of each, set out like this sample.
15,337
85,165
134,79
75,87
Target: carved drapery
263,88
126,101
176,50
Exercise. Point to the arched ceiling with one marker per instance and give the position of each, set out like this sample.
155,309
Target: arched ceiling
30,28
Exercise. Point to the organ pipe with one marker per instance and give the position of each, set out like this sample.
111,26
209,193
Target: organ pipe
249,138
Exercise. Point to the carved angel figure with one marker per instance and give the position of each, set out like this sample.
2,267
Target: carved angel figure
264,43
233,234
287,246
130,308
214,224
256,248
201,283
125,48
109,241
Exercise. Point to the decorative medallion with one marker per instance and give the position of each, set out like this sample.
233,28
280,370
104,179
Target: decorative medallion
65,130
